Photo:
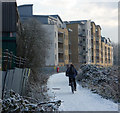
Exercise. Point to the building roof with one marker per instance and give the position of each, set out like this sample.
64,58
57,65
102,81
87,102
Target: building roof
75,22
47,16
57,16
98,26
25,5
93,22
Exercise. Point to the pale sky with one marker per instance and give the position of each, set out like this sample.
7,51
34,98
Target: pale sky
102,12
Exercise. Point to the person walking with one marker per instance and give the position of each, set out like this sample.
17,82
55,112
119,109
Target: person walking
71,73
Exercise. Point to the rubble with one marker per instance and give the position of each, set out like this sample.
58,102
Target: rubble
101,80
16,103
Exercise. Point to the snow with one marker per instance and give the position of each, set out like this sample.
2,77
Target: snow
82,100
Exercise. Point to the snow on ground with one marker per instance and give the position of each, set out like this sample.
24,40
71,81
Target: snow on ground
82,100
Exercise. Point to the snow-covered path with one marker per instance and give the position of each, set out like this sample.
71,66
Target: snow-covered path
81,100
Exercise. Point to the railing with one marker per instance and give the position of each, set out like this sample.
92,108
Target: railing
61,60
97,47
9,61
60,50
97,38
82,34
60,40
92,37
69,42
97,54
70,51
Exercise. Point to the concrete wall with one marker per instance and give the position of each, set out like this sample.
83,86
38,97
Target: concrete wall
52,51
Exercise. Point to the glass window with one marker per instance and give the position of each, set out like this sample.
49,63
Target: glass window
55,34
55,57
55,45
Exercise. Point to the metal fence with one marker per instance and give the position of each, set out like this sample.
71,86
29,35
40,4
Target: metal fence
14,73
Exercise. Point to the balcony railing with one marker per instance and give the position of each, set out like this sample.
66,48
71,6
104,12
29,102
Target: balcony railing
61,60
70,51
60,40
69,42
97,38
97,54
82,34
92,37
97,47
60,50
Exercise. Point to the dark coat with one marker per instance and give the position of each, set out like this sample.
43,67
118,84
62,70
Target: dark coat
71,73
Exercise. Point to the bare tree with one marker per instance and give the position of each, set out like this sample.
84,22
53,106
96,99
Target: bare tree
32,43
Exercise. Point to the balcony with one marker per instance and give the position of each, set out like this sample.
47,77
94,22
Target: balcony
70,51
82,34
97,54
92,37
60,40
82,53
97,47
97,38
61,60
60,50
69,42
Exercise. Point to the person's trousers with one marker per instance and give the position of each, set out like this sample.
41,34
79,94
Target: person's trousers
74,81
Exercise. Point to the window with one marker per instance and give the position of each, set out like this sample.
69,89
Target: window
55,57
83,29
55,45
55,34
83,39
83,48
84,57
60,25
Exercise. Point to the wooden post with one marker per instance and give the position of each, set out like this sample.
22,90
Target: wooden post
10,65
6,69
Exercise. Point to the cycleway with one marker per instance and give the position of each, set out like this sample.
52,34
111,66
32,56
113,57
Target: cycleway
82,100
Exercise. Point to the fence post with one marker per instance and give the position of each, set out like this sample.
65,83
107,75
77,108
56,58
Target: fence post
11,55
5,60
20,62
6,69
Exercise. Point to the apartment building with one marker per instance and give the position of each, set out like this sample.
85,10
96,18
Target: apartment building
95,43
80,38
58,53
87,44
63,55
101,48
77,42
106,52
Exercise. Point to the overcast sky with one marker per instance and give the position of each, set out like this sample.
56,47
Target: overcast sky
102,12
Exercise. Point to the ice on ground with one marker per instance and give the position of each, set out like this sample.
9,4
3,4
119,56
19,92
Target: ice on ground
82,100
